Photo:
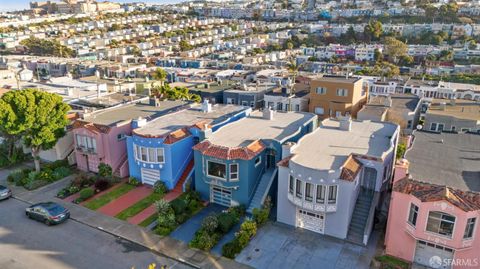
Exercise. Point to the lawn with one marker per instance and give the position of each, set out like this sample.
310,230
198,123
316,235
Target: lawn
391,262
139,206
108,197
148,220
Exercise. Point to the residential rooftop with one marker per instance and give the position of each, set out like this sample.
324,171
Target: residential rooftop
398,102
446,159
115,115
338,79
328,147
188,117
255,127
460,109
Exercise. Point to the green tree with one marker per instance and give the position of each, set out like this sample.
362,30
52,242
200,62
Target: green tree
160,74
373,30
395,48
184,45
38,117
350,36
378,55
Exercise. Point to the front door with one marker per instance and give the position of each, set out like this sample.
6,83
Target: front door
271,162
369,179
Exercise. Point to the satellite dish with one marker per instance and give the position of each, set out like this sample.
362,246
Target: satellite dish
419,127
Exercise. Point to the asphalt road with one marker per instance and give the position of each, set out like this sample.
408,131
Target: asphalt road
26,244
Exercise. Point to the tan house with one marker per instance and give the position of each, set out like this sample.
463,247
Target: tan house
336,96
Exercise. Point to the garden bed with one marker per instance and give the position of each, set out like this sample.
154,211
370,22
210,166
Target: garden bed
389,262
139,206
172,214
50,172
148,221
109,196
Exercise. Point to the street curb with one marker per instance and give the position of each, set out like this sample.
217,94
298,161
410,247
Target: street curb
180,260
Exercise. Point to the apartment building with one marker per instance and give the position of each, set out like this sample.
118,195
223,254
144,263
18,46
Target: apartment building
162,148
334,178
435,203
336,96
453,116
237,163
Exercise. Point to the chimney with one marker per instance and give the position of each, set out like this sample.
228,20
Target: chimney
206,106
268,113
345,123
401,169
207,131
287,149
140,122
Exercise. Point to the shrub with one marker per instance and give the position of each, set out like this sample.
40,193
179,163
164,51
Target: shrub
231,249
82,181
56,164
203,240
250,227
193,206
181,218
35,184
17,176
101,184
73,189
226,221
45,175
239,210
160,187
163,207
260,216
401,148
133,181
179,206
166,220
86,193
61,172
164,231
192,196
210,224
63,193
242,238
105,170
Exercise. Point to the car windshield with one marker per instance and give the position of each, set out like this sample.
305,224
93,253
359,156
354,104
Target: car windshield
2,188
55,209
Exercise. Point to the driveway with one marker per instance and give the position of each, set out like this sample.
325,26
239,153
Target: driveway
186,231
280,246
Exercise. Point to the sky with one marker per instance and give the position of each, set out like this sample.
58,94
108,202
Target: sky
8,5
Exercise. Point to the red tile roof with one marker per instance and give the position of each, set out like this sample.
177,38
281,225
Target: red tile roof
428,192
92,127
176,136
221,152
285,161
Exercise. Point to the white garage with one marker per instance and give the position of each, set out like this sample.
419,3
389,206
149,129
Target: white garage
220,195
311,221
432,255
150,176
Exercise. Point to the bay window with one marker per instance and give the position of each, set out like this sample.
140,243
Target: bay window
291,183
440,223
218,170
148,155
299,192
332,194
320,194
86,143
308,192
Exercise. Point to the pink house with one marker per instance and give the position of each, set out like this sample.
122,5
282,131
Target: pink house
435,204
100,137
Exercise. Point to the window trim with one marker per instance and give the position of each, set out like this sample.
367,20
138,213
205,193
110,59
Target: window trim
233,173
298,188
436,233
336,194
473,228
413,224
323,190
310,199
322,92
221,178
138,154
343,91
291,184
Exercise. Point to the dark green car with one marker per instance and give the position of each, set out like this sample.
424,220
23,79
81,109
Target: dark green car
48,213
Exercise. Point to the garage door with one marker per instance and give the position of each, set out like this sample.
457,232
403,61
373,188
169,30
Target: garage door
150,176
432,255
310,221
220,195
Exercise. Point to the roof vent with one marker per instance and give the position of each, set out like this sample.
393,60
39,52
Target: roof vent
345,123
206,106
268,113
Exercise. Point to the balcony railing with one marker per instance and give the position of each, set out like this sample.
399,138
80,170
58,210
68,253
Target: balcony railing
87,150
311,205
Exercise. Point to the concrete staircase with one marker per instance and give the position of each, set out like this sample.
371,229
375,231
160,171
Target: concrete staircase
359,218
262,189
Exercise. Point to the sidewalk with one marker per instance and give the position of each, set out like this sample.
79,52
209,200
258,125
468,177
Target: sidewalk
161,245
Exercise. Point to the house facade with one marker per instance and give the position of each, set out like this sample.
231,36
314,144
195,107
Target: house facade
332,181
453,116
237,164
99,137
435,205
162,148
336,96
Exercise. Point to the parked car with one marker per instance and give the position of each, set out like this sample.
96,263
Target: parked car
5,192
48,213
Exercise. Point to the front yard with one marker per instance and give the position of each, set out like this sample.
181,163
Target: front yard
50,172
109,196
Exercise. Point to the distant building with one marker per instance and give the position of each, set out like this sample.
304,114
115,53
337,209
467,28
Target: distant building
453,116
280,99
336,96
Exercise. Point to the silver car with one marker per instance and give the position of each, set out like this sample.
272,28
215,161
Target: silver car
5,192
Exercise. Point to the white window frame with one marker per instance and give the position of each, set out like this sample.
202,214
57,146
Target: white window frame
138,152
298,189
157,155
342,92
322,110
329,201
470,221
258,161
233,173
322,191
291,184
437,233
321,90
312,187
221,178
415,209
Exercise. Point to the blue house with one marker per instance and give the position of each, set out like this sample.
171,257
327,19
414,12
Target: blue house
162,148
237,164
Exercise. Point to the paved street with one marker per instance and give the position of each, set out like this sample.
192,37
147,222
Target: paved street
26,243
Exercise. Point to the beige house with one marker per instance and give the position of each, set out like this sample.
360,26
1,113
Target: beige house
336,96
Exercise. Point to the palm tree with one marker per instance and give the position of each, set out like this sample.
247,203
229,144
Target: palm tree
160,75
293,69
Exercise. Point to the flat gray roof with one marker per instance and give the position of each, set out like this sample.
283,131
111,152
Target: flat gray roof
187,117
254,127
328,147
115,115
446,159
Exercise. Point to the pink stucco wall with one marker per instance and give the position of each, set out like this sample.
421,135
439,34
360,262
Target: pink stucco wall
110,150
400,239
